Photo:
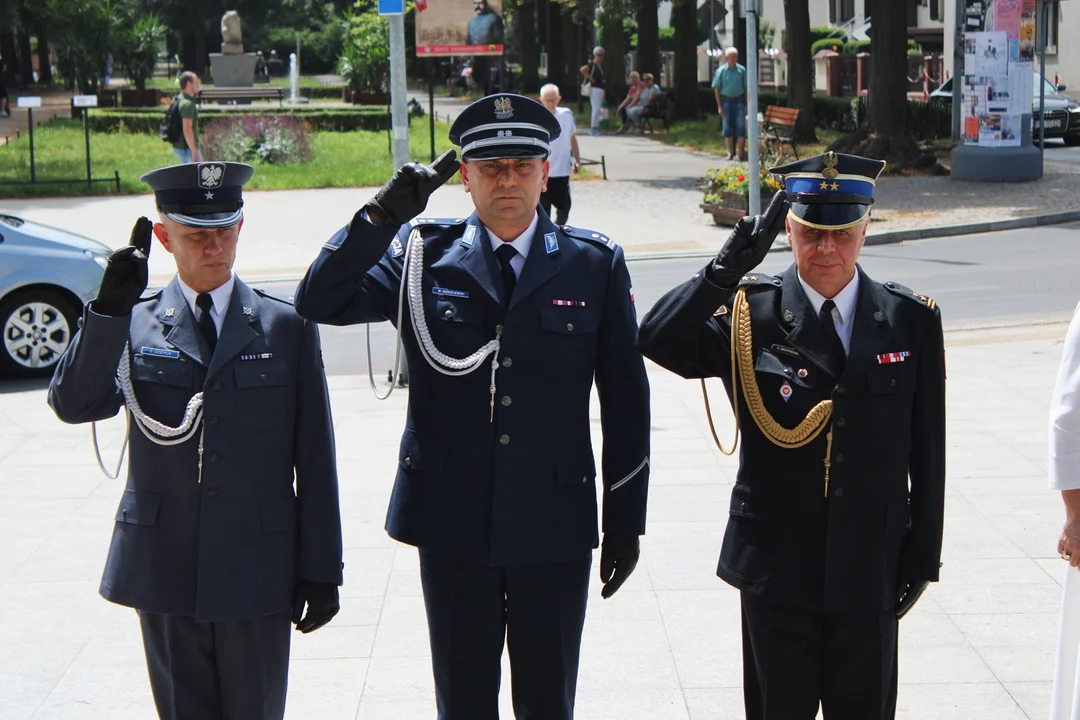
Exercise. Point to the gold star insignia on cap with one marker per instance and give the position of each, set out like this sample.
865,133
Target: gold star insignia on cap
824,185
834,186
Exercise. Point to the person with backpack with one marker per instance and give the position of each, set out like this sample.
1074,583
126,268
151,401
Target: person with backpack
181,127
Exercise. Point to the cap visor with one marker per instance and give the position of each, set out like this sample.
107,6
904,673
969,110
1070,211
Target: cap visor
212,220
505,152
829,216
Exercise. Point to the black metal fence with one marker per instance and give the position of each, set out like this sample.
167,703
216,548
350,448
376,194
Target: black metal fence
925,120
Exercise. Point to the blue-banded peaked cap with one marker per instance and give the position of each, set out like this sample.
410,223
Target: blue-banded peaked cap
502,126
832,191
205,194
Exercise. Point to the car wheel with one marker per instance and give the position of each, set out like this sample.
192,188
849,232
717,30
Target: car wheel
37,327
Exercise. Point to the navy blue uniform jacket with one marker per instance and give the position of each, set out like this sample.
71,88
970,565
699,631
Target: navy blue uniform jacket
233,546
519,490
881,523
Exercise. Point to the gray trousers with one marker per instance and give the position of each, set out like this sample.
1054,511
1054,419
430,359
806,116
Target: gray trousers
233,670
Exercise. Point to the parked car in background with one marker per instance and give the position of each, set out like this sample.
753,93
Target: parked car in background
1062,113
46,276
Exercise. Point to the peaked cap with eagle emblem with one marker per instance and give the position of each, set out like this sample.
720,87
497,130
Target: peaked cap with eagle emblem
204,194
832,191
504,126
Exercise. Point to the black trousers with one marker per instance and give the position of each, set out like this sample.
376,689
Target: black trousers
538,611
794,659
234,670
557,194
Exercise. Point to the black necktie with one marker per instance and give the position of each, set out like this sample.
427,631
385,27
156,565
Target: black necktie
831,336
505,254
205,303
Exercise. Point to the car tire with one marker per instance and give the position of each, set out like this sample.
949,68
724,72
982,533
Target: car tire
37,326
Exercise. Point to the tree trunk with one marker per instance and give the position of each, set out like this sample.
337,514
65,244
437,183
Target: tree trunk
612,13
528,47
738,31
201,57
648,38
26,59
44,60
684,20
800,88
572,58
557,51
7,49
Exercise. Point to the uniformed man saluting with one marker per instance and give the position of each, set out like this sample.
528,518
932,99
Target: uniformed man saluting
839,386
213,545
507,321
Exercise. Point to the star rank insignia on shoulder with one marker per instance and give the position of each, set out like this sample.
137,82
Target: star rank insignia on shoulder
262,293
898,289
759,279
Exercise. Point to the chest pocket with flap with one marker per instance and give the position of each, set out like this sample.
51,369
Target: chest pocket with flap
458,310
570,320
261,373
177,372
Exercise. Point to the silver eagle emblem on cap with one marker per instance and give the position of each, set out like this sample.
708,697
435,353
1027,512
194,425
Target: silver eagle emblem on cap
211,175
504,110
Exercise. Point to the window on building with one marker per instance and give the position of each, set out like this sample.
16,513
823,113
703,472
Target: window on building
1052,17
841,11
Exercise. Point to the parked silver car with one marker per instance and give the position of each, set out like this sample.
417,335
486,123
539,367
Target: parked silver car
46,275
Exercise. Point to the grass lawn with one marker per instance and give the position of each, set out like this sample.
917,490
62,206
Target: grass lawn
349,159
704,135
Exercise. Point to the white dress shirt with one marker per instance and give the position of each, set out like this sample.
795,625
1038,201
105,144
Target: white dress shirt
221,296
1065,414
844,312
521,243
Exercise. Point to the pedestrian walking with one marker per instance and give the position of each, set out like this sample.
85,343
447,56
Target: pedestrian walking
186,147
838,384
729,86
507,322
565,157
229,525
593,87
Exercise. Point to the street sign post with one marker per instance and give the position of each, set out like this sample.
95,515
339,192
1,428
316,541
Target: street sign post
751,9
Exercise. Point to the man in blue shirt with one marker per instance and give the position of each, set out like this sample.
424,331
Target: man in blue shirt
729,85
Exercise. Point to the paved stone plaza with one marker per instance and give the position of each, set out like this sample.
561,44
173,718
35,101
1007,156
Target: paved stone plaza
978,646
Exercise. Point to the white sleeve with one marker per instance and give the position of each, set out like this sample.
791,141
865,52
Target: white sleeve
1064,439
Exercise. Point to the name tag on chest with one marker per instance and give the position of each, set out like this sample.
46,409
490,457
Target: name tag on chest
161,352
449,292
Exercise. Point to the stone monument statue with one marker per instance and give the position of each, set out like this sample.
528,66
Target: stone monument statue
232,42
232,67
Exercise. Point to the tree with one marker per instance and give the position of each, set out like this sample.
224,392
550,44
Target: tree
887,137
528,45
613,38
800,88
648,38
684,20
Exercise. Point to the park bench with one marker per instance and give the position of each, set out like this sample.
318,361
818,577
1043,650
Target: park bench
661,106
220,94
779,127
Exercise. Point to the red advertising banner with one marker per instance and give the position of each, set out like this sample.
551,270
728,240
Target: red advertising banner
459,27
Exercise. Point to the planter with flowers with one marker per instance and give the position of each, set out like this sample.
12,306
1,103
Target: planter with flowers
726,193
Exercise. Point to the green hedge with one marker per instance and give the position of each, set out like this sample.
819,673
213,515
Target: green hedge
834,44
830,112
146,121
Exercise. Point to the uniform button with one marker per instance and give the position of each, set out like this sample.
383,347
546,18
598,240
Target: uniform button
507,362
262,377
570,327
161,373
506,401
449,313
839,389
840,458
742,506
123,513
841,422
498,329
213,420
892,383
213,457
787,371
838,492
216,385
211,493
585,480
408,461
504,439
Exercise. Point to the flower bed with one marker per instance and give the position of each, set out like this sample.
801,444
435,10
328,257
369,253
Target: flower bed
726,193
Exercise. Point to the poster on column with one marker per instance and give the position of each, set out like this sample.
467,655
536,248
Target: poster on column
1010,131
991,53
1021,88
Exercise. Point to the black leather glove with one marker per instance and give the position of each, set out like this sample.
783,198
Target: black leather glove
127,273
618,557
910,592
749,243
405,195
322,604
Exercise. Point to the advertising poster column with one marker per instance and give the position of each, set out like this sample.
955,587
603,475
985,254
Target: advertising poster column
998,84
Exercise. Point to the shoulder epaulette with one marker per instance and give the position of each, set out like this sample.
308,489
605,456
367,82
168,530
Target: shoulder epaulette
760,279
284,300
898,289
152,296
437,221
591,236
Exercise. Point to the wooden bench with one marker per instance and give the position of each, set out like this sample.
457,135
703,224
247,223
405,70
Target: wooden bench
779,127
220,94
660,107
